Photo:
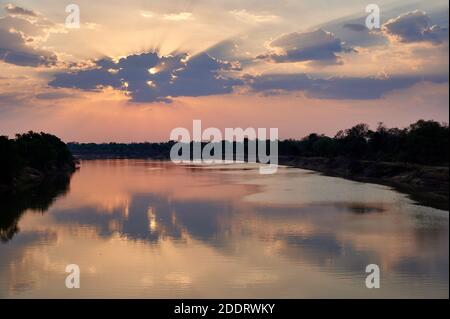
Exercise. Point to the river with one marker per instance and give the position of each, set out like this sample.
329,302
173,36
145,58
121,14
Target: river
153,229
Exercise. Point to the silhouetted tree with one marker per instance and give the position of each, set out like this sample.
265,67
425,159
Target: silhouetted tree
40,151
426,142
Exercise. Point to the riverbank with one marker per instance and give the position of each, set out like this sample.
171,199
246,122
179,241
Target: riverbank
30,178
427,185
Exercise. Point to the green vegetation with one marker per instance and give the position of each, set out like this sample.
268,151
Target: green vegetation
31,157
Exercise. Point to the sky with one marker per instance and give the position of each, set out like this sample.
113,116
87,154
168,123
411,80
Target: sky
134,70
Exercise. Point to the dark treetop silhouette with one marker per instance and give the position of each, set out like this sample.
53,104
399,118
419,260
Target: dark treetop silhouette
30,158
424,142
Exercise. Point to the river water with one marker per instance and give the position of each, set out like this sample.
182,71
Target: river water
153,229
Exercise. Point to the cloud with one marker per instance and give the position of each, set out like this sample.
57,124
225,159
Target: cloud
148,77
146,14
13,100
414,26
54,95
352,88
352,31
317,45
355,27
181,16
174,17
22,37
253,18
15,10
9,98
15,50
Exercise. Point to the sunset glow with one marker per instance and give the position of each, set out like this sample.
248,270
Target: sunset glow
133,74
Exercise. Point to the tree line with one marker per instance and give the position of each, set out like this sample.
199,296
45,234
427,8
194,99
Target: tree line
423,142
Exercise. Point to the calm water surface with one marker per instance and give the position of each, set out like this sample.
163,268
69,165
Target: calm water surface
153,229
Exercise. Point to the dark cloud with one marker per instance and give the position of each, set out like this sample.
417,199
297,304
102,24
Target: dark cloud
14,50
16,35
15,10
149,77
91,80
317,45
352,88
415,26
355,27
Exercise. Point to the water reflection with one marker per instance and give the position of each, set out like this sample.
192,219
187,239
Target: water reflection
153,229
38,199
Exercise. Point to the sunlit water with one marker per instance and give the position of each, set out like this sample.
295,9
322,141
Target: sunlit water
142,229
